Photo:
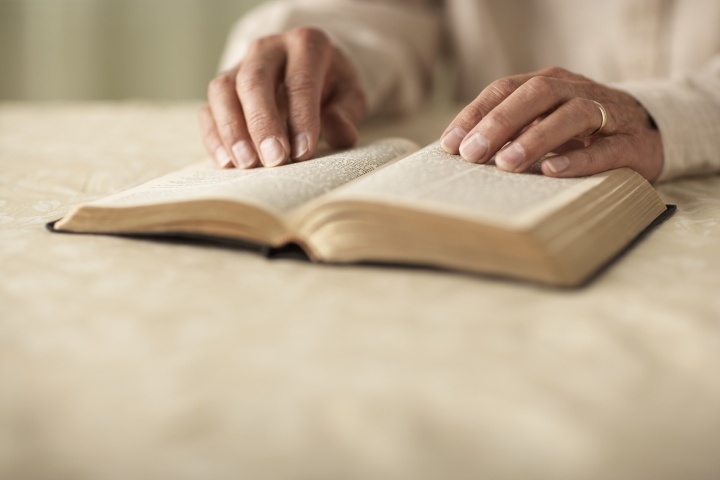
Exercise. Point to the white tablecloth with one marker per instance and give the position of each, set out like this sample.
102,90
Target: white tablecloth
135,359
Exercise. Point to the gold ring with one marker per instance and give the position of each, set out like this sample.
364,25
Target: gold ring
604,118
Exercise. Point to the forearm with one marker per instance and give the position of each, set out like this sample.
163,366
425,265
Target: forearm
393,45
687,112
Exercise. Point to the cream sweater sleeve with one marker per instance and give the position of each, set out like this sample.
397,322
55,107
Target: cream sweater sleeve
393,44
687,112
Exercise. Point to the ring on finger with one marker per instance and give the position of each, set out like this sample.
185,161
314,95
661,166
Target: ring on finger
603,122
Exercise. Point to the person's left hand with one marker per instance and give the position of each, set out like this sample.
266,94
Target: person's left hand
554,110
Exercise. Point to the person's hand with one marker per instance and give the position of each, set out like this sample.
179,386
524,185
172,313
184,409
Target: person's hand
554,110
272,107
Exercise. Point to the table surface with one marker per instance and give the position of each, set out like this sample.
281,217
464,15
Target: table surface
125,358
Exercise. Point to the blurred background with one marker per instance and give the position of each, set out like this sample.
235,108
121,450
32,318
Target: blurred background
69,50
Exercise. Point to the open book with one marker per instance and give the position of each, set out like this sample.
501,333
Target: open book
390,202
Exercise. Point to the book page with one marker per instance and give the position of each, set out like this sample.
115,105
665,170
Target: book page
277,189
432,178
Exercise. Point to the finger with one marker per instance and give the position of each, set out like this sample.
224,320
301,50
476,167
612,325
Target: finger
256,86
307,65
211,139
602,155
229,121
571,120
342,112
339,132
572,144
538,96
469,116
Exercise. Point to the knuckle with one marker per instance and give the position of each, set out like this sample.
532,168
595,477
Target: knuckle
554,71
230,129
300,81
472,114
536,138
502,87
498,119
220,85
303,122
251,77
260,123
261,44
309,36
540,86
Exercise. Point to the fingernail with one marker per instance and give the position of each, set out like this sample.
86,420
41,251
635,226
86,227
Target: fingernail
511,157
272,152
300,146
557,164
222,158
452,140
244,154
473,148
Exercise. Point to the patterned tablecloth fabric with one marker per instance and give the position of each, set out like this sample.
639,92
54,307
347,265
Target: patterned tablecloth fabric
135,359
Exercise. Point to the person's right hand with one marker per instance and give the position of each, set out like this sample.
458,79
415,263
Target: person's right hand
272,107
